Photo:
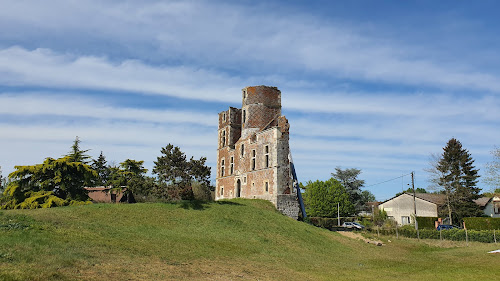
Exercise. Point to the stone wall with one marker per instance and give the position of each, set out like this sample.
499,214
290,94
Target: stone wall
288,205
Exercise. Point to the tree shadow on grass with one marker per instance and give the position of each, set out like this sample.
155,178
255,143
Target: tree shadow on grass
225,202
202,205
195,205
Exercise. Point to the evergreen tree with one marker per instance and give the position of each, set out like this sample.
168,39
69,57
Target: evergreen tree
76,154
353,185
102,169
177,175
459,178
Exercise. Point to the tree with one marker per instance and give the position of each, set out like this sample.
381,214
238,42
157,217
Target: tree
458,177
76,154
410,190
53,180
322,198
102,169
493,170
130,179
367,196
352,185
1,180
176,175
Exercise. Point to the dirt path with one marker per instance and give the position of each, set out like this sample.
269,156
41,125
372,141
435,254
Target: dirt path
354,235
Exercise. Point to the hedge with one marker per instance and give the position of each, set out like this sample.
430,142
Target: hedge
426,222
483,223
485,236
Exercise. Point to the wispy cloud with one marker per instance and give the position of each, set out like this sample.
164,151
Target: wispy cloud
72,105
224,36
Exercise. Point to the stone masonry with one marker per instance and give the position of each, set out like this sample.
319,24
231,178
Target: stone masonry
253,151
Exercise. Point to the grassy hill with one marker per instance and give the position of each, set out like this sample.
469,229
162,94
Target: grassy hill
237,239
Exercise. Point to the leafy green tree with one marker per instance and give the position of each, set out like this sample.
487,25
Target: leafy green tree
102,169
410,190
322,198
493,171
458,177
367,196
78,155
353,185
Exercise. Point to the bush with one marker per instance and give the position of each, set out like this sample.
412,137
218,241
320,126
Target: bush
426,222
485,236
482,223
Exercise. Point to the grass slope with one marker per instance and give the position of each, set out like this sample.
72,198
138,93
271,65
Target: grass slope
237,239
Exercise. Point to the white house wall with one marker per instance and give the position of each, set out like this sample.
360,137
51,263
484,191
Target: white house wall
402,206
490,209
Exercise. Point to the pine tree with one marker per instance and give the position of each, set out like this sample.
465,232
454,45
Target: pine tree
102,169
76,154
459,179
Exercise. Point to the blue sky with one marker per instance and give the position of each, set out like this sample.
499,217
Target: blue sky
375,85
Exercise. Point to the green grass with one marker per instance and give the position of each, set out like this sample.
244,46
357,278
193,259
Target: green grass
237,239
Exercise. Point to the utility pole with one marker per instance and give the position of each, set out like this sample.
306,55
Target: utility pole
414,204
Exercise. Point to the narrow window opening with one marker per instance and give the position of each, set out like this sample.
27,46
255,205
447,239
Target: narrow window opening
267,157
222,168
267,186
253,159
242,150
223,138
222,191
224,117
244,116
232,165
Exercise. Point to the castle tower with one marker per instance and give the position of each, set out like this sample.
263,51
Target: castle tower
253,151
261,106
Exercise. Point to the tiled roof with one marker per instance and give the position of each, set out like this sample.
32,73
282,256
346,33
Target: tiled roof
482,201
438,199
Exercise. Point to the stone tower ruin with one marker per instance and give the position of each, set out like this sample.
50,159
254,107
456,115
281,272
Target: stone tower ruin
253,155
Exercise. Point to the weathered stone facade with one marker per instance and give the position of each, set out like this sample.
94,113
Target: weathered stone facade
253,150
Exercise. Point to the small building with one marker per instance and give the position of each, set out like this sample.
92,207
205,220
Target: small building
490,205
401,208
104,194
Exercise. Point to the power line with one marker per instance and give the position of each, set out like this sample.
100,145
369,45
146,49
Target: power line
388,180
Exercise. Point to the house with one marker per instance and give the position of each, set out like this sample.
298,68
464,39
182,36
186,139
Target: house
490,205
402,207
103,194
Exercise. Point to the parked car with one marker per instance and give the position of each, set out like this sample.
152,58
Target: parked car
354,225
444,227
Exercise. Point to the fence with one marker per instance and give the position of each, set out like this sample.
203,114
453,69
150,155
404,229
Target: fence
485,236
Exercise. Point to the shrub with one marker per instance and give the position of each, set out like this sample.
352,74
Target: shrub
426,222
482,223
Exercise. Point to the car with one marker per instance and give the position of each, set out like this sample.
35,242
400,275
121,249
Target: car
444,227
353,225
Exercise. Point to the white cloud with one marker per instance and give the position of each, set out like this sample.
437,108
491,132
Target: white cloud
225,36
42,67
73,105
